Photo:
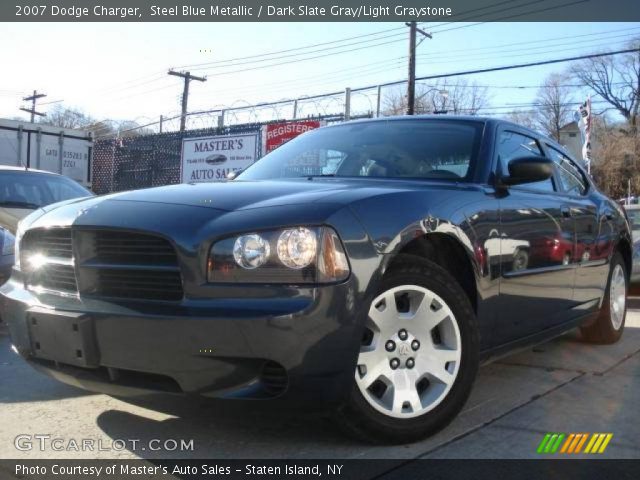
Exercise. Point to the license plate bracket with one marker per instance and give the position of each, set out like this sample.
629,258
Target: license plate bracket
64,337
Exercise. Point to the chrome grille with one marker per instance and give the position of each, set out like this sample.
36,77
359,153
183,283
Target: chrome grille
49,242
102,263
54,277
47,257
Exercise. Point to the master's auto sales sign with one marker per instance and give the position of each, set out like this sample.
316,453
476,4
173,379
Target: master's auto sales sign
210,159
276,134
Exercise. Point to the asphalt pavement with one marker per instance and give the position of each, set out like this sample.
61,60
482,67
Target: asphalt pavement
561,386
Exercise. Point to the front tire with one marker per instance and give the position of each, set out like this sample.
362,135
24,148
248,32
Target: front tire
418,358
609,326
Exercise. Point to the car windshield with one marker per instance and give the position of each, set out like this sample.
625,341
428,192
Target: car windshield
34,190
428,149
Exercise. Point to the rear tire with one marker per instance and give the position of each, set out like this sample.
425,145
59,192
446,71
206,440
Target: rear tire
609,326
431,331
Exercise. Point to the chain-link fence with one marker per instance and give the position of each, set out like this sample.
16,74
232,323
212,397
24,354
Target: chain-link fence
153,160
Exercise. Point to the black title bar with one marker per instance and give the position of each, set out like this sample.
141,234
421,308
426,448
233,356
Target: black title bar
317,10
338,469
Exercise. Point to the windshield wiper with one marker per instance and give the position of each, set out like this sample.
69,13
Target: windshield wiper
12,204
321,175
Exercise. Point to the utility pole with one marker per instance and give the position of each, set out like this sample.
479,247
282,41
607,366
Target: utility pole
347,104
185,93
411,83
33,98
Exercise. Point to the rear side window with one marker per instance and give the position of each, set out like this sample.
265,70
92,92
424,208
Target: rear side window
571,177
512,145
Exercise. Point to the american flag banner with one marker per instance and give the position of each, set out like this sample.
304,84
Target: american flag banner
585,127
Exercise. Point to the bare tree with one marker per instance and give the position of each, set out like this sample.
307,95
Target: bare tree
553,105
522,117
395,103
65,117
616,79
458,97
615,164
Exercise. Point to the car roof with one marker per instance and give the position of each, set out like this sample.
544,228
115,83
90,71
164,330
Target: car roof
9,168
395,118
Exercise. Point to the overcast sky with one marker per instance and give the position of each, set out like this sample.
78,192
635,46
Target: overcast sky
118,71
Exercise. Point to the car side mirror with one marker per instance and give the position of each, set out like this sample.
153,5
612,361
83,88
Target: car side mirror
528,170
233,175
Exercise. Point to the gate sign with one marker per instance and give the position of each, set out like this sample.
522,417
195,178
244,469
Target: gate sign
276,134
210,159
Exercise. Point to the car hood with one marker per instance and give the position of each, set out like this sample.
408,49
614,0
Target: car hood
240,195
9,217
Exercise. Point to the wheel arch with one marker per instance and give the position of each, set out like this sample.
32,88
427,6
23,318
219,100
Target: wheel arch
449,253
624,247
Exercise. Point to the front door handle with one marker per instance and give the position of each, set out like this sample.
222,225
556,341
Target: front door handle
566,212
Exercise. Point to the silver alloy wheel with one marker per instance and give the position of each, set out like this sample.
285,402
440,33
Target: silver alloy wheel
617,296
410,354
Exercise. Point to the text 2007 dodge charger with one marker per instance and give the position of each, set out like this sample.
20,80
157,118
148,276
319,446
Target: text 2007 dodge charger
370,266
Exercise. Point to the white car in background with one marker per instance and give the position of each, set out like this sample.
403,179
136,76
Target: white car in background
23,190
633,212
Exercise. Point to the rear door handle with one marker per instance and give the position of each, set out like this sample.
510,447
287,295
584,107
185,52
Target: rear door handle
566,212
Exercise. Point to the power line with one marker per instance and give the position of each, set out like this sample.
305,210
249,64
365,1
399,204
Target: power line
506,67
342,40
341,46
447,54
141,82
231,61
528,53
229,72
398,82
544,40
392,62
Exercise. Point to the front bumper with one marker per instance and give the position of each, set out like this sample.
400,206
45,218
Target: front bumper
295,343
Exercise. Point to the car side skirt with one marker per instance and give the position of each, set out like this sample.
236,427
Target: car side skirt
501,351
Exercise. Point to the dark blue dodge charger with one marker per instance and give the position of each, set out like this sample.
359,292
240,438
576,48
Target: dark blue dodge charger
369,267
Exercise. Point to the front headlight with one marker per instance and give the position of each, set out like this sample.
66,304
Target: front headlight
291,255
8,242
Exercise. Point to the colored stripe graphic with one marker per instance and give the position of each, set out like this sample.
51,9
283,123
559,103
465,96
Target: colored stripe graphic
607,439
544,442
556,445
567,443
573,443
582,440
551,442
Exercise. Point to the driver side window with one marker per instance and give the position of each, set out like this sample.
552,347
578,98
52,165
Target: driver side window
512,145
